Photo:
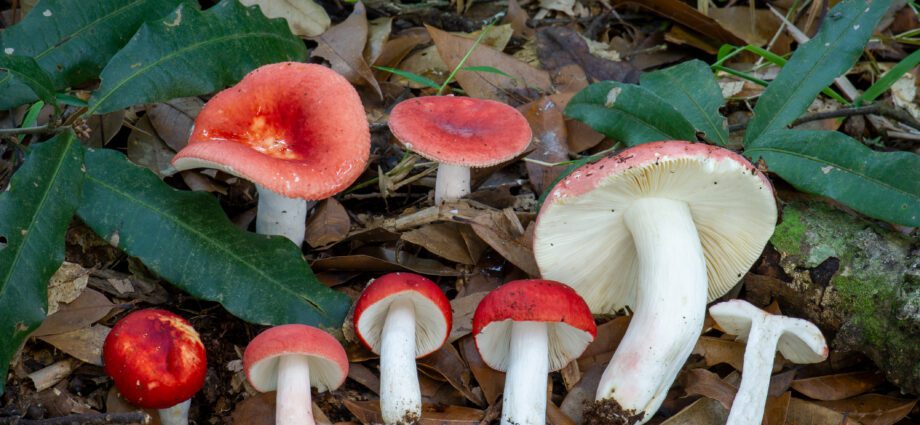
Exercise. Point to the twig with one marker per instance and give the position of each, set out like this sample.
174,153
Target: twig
26,130
873,109
83,419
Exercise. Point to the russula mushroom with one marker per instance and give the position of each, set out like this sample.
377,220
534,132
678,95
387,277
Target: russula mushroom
800,341
157,361
401,317
298,131
289,359
528,328
459,133
662,228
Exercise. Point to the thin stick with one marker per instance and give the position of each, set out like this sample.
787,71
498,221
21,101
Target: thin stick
83,419
872,109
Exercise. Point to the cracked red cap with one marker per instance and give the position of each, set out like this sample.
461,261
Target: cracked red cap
432,310
571,325
328,361
297,129
155,358
460,131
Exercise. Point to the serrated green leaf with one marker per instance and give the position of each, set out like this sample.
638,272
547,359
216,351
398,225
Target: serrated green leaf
814,65
691,88
410,76
34,215
186,238
884,185
629,114
27,72
190,53
72,40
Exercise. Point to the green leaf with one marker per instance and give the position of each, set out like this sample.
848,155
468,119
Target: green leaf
73,40
881,185
814,65
629,114
410,76
890,77
190,53
186,238
27,71
34,215
691,88
489,69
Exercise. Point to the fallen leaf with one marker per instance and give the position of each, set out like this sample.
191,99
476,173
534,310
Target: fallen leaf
499,232
145,148
396,48
328,224
608,339
359,373
446,240
872,409
564,6
85,344
255,410
802,412
708,384
517,18
583,392
560,46
689,17
304,17
65,285
368,412
384,260
555,416
343,46
463,308
378,31
702,411
717,350
447,363
452,48
102,128
173,120
88,308
777,409
549,131
491,381
839,386
737,20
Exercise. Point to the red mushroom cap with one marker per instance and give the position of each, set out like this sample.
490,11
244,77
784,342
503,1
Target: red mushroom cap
533,300
297,129
328,361
155,358
460,130
432,310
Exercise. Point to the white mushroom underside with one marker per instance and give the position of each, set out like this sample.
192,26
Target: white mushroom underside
431,325
565,343
583,240
323,373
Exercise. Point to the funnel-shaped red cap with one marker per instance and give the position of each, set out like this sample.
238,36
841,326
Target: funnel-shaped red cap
297,129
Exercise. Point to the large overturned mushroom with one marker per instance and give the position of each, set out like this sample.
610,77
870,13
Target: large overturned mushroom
661,228
298,131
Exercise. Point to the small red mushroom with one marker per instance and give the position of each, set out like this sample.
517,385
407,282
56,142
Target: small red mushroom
289,359
459,133
529,328
157,361
401,317
298,131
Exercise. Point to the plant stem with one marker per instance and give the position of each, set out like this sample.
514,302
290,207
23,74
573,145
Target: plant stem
482,35
875,108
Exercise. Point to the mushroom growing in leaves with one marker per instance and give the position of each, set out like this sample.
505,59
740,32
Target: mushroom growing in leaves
459,133
662,228
157,361
528,328
401,317
298,131
798,340
289,359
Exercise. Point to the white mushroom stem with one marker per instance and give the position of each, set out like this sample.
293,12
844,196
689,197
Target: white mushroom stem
400,395
751,398
293,405
669,311
524,399
279,215
452,183
176,415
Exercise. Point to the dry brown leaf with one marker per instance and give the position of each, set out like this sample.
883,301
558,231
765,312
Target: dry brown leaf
84,344
378,31
708,384
396,48
802,412
498,231
447,363
368,412
343,46
446,240
463,309
555,416
558,47
304,17
689,17
491,381
737,20
145,148
173,120
583,392
873,409
776,409
839,386
328,224
718,350
255,410
66,284
517,18
384,260
87,309
608,338
549,132
682,36
103,128
702,411
452,48
364,376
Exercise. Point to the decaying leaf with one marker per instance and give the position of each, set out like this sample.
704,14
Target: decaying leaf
173,120
147,149
304,17
777,409
702,411
84,344
463,309
708,384
838,387
872,409
88,308
549,131
343,46
66,285
491,381
451,241
506,237
802,412
328,224
559,46
608,339
447,363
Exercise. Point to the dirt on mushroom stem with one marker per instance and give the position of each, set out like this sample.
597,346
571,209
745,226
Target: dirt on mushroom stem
609,412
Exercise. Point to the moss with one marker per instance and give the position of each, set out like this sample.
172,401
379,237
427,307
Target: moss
788,236
870,302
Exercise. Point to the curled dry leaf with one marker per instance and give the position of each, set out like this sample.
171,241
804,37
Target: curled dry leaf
708,384
84,344
718,350
463,309
559,46
304,17
447,363
497,230
66,285
147,149
102,128
343,46
328,224
378,31
549,130
88,308
839,386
